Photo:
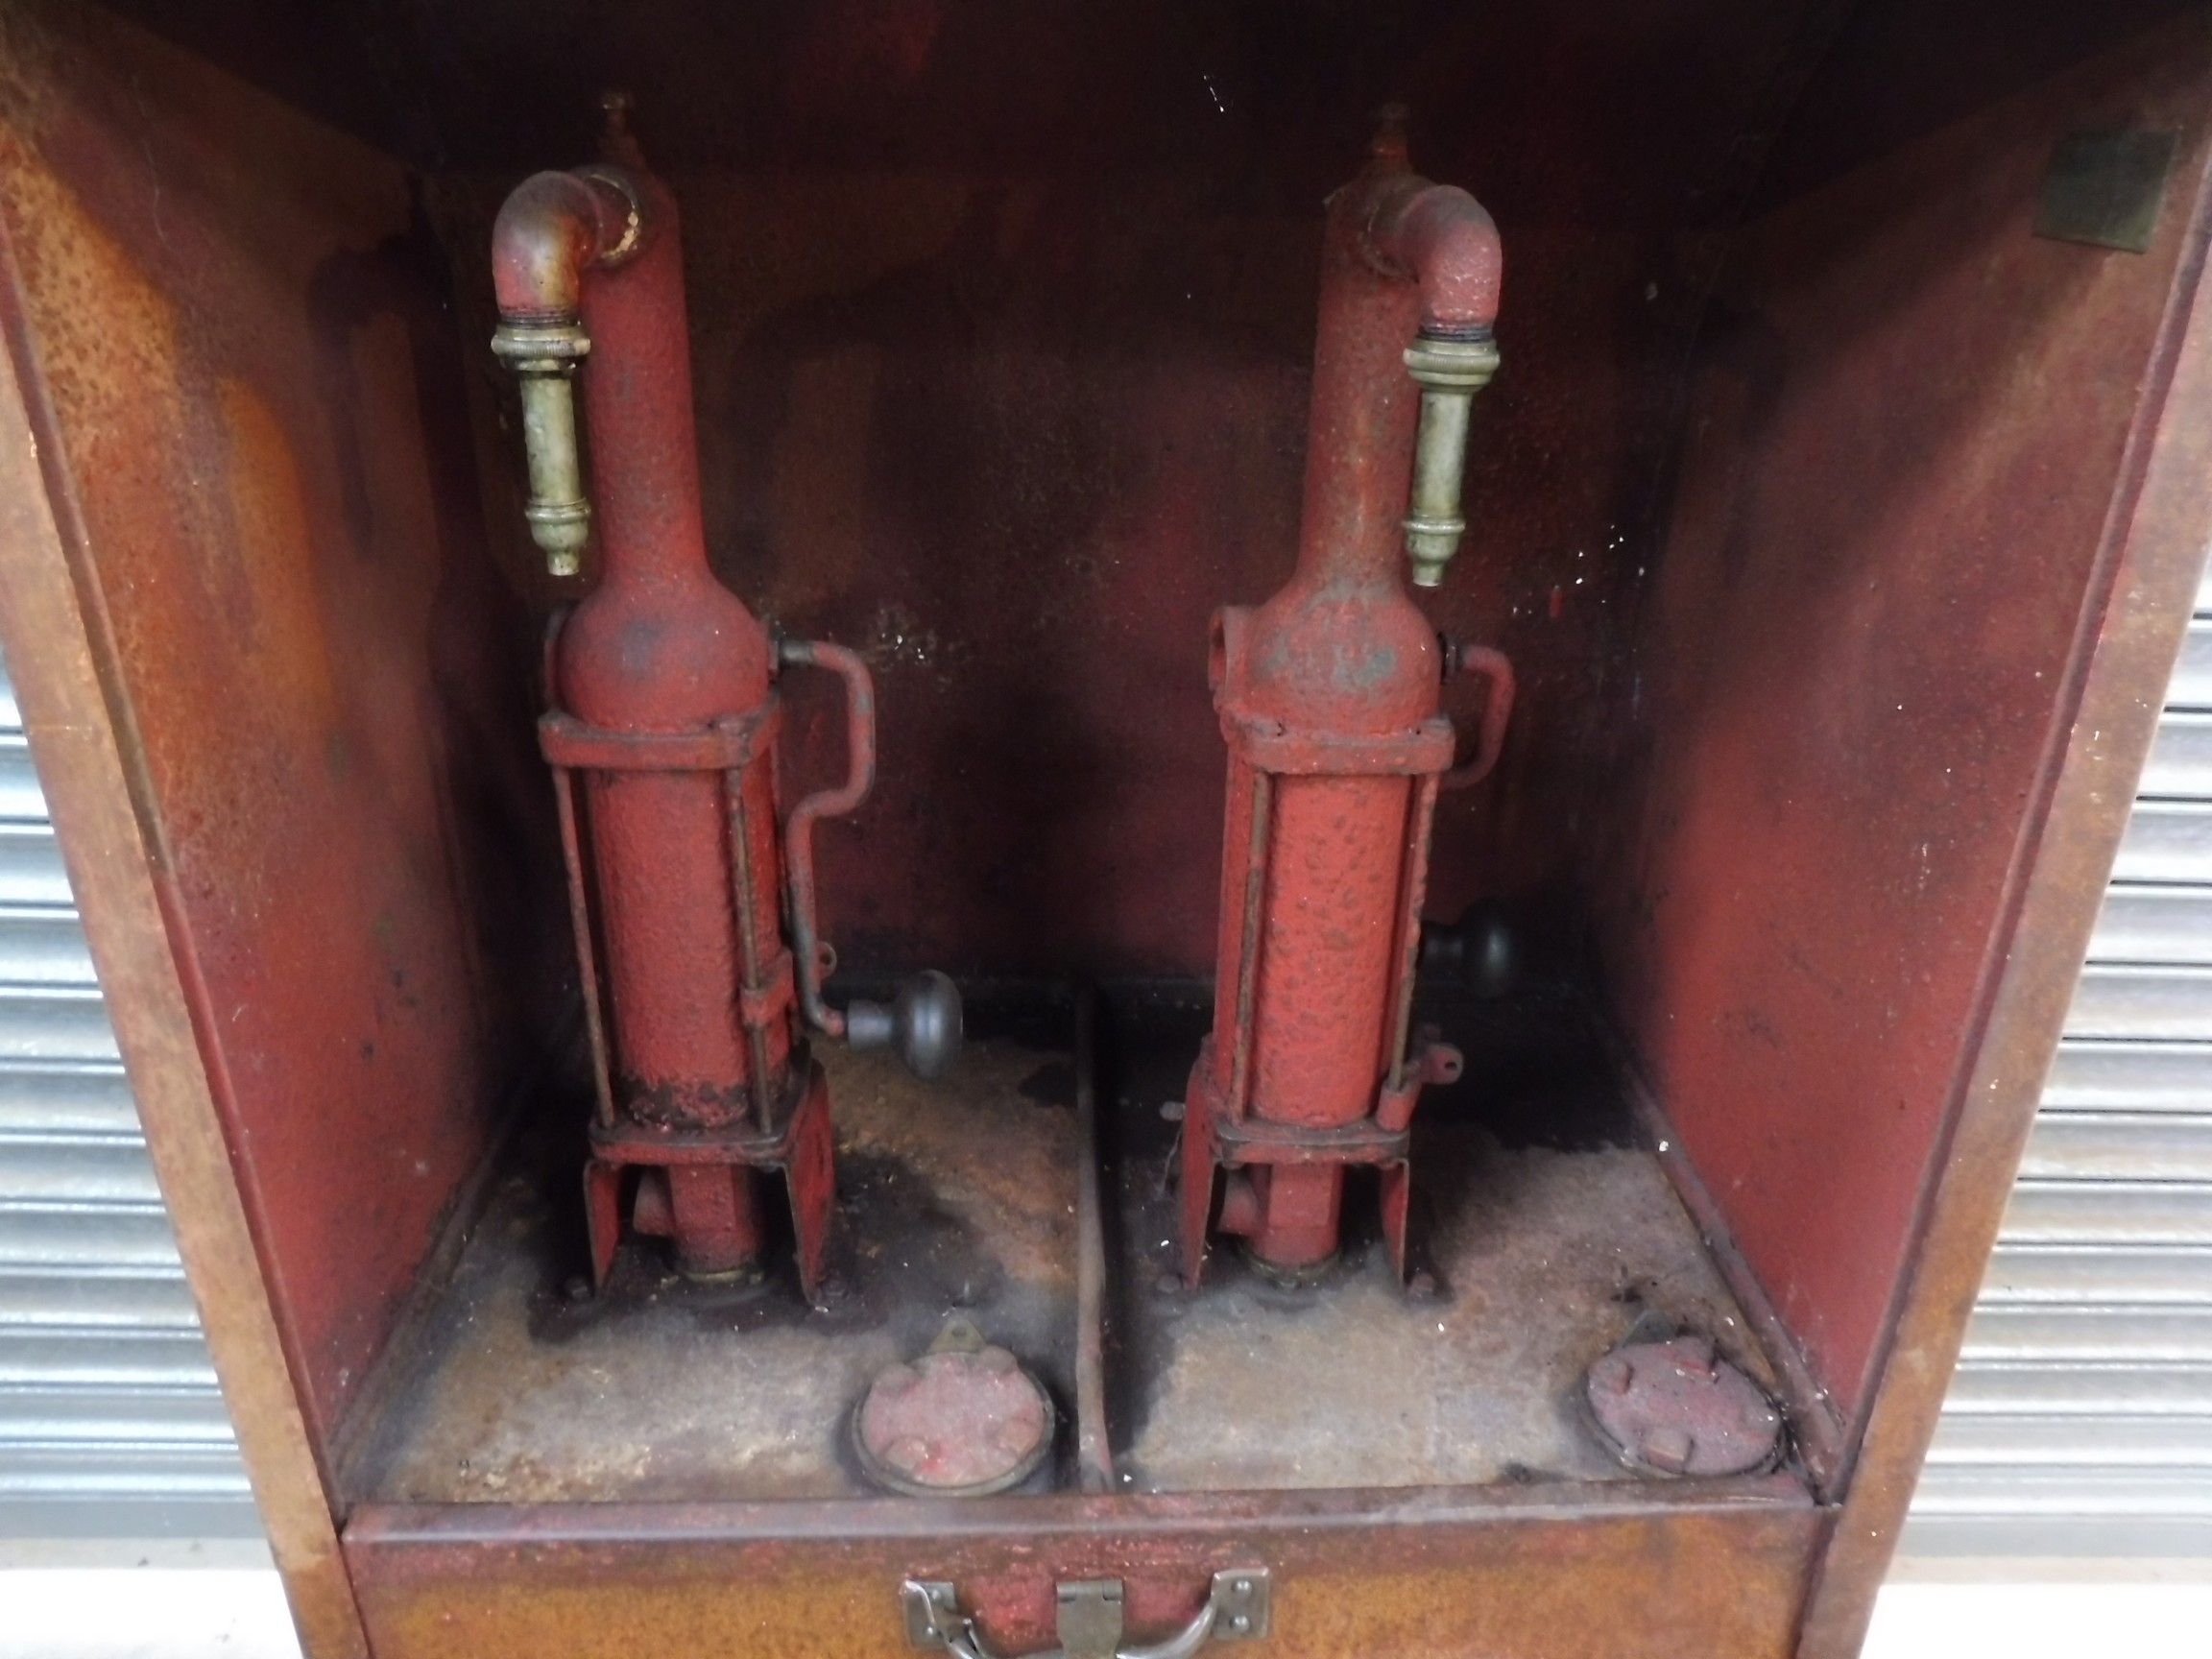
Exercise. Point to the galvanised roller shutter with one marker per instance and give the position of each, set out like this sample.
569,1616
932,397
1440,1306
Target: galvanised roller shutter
110,1424
2080,1422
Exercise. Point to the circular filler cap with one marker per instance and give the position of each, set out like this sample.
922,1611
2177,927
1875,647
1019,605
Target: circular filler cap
959,1421
1678,1408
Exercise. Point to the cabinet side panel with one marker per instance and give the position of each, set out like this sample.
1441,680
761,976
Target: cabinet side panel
59,688
2160,561
1906,468
236,339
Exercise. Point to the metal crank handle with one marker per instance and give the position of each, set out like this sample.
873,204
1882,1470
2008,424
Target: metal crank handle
923,1023
1485,663
1089,1618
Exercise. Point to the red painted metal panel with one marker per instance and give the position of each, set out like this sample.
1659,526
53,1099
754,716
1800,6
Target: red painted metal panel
1903,451
1003,347
239,332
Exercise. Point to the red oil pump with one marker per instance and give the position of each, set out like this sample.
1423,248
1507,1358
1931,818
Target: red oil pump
693,905
1330,698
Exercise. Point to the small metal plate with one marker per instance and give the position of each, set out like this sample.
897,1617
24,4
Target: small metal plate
931,1606
2105,189
1243,1602
1089,1618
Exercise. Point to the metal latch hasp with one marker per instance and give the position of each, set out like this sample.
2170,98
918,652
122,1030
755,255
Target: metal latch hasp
1089,1619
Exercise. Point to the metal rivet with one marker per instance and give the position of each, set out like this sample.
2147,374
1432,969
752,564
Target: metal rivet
1243,1586
1240,1623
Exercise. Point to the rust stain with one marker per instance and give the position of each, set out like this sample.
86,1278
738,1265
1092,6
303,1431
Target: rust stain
282,647
174,228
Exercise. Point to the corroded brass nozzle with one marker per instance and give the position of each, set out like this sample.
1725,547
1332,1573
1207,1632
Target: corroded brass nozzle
1450,371
543,357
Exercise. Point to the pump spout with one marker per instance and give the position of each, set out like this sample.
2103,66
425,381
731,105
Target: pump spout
1450,243
551,227
1450,373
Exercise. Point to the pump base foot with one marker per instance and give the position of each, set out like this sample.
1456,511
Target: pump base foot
800,1147
1215,1141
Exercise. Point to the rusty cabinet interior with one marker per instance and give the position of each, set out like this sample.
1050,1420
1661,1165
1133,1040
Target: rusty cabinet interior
1838,503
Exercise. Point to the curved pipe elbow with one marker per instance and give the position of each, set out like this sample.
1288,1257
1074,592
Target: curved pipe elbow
1449,242
1445,240
551,227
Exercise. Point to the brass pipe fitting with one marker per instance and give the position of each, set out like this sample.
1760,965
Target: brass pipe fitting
552,228
1450,369
544,358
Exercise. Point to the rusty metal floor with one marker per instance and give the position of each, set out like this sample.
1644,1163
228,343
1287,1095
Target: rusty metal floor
952,1197
960,1198
1542,1261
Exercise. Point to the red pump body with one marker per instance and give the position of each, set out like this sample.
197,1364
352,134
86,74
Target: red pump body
1330,698
661,647
661,734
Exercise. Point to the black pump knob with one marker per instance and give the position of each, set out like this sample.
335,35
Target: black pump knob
923,1022
1476,951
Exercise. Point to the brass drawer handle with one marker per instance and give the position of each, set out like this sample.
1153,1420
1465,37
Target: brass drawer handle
1088,1613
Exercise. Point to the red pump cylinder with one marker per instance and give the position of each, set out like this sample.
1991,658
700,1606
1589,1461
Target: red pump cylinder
1328,695
661,647
662,735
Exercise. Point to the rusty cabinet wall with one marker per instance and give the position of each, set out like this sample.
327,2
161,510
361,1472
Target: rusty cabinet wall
1002,318
1905,466
237,341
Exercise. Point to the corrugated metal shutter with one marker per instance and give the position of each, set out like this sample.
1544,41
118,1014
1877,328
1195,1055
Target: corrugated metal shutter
2080,1419
110,1424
